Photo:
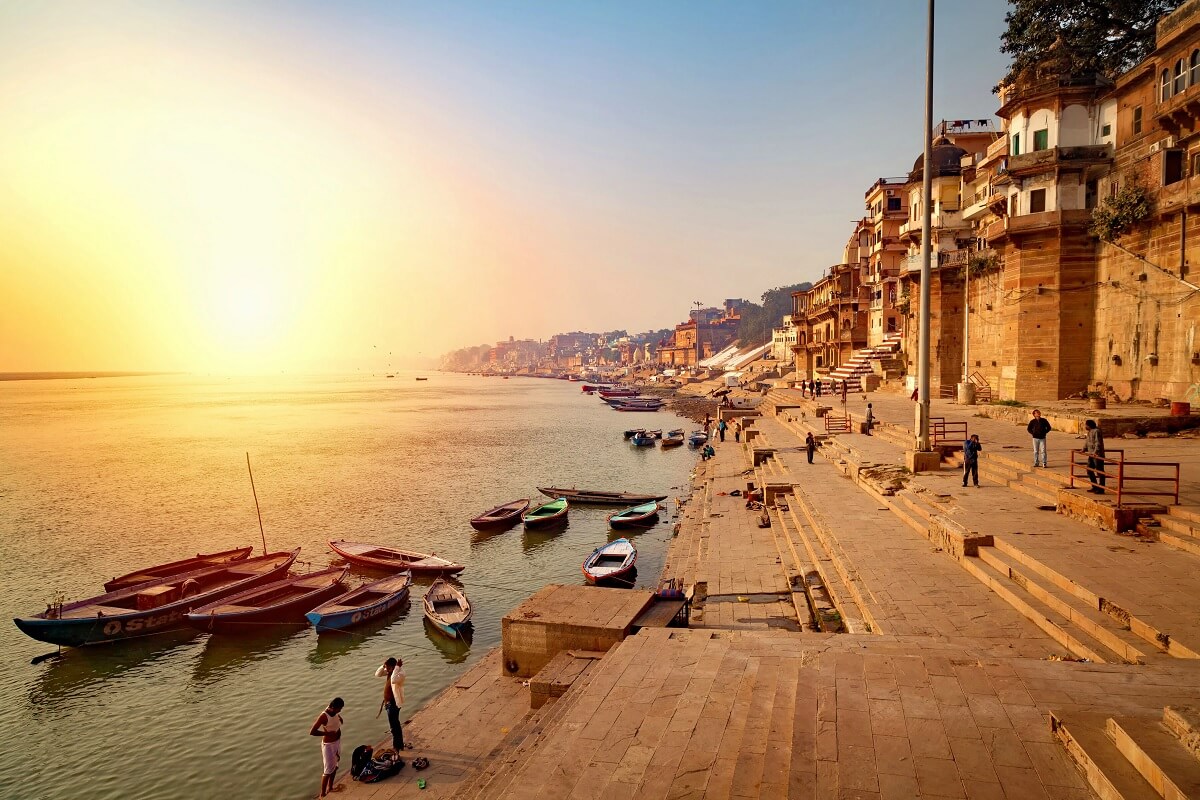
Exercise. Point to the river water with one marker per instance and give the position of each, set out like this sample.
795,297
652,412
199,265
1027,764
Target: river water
99,477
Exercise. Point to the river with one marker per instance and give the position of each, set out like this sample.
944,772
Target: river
99,477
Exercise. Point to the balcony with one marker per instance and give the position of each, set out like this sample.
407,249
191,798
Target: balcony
1180,111
997,149
1053,158
976,210
954,258
883,243
1046,220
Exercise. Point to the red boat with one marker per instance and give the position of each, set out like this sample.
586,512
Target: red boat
607,393
391,559
501,516
173,568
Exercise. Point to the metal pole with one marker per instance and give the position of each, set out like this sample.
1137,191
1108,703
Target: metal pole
257,510
927,195
966,318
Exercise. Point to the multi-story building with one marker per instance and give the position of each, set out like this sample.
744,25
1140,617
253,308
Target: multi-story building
830,318
783,338
887,212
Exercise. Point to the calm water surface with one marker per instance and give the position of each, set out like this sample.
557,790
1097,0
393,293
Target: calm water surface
98,477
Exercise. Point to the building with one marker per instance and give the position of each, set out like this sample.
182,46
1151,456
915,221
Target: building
783,339
887,211
831,318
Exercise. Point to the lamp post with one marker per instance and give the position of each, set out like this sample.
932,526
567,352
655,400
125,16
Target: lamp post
922,414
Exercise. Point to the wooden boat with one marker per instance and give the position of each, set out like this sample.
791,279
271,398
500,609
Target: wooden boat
284,601
642,516
153,607
596,497
673,439
393,559
629,434
637,408
697,438
447,608
501,516
607,393
177,567
644,439
364,604
547,514
422,379
610,563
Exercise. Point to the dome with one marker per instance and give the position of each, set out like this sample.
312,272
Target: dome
947,158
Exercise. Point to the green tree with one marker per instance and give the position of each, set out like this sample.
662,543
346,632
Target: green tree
1088,36
758,320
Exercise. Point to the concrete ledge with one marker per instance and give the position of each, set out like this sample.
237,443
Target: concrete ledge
1099,511
762,454
920,461
772,489
955,539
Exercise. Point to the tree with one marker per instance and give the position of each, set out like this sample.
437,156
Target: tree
758,320
1106,37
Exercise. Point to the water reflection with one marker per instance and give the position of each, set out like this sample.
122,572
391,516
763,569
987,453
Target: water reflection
534,539
79,668
452,651
223,654
333,644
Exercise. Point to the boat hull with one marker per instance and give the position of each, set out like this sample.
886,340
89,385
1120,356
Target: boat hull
352,618
622,575
597,498
498,518
394,565
289,612
547,521
161,571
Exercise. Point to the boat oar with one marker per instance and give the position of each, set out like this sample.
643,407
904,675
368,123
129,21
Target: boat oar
256,508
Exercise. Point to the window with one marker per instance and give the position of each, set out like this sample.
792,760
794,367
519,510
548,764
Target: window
894,204
1172,166
1016,144
1090,191
1195,163
1137,120
1041,139
1037,201
1180,77
1195,68
1106,130
1164,86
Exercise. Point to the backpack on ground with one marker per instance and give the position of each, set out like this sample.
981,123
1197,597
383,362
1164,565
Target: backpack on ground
360,759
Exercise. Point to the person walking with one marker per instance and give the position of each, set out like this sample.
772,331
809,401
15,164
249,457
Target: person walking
870,419
737,431
1093,448
721,427
393,698
1038,427
971,448
810,445
329,727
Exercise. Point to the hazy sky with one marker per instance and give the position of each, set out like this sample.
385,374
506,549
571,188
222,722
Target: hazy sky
235,186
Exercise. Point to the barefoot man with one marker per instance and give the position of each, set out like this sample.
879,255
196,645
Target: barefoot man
329,727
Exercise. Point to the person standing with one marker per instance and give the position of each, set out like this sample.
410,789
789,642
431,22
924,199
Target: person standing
737,431
1038,428
393,697
1093,448
817,389
810,445
971,448
721,427
329,727
870,419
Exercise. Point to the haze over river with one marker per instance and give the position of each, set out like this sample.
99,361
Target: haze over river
99,477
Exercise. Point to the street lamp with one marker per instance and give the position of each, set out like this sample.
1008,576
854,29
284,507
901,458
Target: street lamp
923,444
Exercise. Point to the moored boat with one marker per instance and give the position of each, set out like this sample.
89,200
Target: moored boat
650,409
673,439
622,392
697,438
611,563
361,605
281,602
447,608
643,439
629,434
379,556
642,516
597,497
501,516
547,514
152,607
177,567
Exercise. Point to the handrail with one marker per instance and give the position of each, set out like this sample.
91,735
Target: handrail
947,433
1122,478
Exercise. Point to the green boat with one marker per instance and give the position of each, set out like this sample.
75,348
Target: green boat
547,514
642,516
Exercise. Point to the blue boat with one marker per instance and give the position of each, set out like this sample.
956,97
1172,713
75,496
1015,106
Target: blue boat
644,439
364,604
447,608
279,603
151,607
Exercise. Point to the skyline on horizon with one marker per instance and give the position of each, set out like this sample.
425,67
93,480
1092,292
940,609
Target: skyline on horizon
226,188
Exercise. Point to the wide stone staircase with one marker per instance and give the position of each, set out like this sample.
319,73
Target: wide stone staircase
859,365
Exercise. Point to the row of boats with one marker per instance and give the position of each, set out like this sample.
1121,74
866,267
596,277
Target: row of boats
640,437
624,398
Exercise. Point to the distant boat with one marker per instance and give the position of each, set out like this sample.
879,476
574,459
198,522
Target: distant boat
629,434
501,516
673,439
391,558
422,379
177,567
547,514
391,376
642,516
597,497
148,608
618,392
447,608
697,438
643,439
364,604
636,408
281,602
610,563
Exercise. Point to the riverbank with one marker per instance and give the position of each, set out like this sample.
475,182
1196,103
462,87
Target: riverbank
927,643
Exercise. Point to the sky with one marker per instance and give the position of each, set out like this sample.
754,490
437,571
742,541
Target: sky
256,187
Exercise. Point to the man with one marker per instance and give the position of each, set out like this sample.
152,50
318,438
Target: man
1038,428
329,727
393,697
870,418
971,448
1093,448
721,426
810,445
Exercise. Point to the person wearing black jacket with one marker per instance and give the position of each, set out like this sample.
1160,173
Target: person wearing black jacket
1038,428
971,448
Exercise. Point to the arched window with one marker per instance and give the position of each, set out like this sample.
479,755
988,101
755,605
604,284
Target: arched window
1180,77
1195,68
1164,86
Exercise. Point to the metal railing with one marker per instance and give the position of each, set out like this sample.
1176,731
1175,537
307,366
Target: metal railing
837,424
947,434
1116,470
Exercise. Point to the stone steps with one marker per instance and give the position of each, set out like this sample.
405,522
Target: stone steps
1132,757
814,608
1180,528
